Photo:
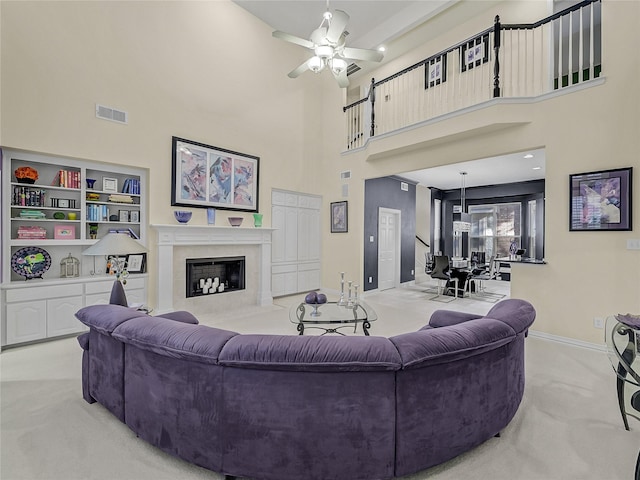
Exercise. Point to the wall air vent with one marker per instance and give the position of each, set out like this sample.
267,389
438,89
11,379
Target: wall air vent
352,68
346,175
108,113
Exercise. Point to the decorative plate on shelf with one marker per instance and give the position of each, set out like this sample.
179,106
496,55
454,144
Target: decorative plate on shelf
31,262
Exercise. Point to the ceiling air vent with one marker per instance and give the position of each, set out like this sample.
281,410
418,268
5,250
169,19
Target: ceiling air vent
108,113
352,68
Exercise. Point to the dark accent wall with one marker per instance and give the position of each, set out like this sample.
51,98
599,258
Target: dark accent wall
386,192
521,192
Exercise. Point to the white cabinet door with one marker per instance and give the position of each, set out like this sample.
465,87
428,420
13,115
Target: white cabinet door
291,234
26,321
279,223
308,234
61,318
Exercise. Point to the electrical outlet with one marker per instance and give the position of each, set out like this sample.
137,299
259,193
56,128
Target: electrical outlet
598,322
370,238
370,279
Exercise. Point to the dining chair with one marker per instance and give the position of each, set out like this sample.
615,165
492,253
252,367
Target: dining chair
442,272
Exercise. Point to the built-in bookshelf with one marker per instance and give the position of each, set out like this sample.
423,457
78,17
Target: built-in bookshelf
69,206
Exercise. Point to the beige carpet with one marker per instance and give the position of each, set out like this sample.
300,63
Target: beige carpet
568,425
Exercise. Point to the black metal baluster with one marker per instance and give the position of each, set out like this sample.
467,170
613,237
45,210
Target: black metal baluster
496,50
372,97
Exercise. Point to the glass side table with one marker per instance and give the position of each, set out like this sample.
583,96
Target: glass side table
622,333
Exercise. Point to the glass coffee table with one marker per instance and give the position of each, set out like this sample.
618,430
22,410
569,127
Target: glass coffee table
333,315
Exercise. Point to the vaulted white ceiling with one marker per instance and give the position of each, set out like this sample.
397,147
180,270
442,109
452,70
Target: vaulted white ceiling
396,25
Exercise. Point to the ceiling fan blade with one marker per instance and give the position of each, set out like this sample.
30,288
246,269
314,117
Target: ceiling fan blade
338,23
287,37
362,54
341,78
299,70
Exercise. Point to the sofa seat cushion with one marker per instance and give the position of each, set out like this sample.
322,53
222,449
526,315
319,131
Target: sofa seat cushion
105,318
311,353
174,339
447,344
445,318
180,316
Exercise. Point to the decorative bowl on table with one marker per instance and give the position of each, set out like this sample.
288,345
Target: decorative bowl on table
183,216
235,221
314,300
26,175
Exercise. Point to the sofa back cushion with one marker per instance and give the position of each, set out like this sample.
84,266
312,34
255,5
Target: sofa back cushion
105,318
313,353
447,344
174,339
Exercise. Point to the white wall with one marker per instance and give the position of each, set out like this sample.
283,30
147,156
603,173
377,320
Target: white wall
205,71
210,72
589,274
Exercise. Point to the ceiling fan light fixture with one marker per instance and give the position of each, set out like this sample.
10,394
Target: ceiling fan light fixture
324,51
316,64
338,65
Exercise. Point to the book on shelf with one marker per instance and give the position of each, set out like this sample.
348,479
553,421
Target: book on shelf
67,179
132,186
128,231
28,197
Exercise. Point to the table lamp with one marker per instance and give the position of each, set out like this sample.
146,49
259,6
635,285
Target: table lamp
111,246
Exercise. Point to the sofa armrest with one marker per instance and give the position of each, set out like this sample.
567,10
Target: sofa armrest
83,340
445,318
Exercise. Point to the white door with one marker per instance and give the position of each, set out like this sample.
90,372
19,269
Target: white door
388,248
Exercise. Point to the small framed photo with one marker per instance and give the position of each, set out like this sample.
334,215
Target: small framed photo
123,215
136,263
109,184
339,217
134,216
64,232
63,203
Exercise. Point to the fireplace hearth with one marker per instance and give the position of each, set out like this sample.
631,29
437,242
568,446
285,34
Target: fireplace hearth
207,276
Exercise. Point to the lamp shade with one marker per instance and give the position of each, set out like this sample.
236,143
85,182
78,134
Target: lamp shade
338,65
115,244
315,64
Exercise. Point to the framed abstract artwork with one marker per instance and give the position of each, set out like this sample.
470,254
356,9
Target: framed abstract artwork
600,201
211,177
339,217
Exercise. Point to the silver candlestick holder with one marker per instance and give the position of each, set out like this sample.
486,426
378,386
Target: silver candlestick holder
349,298
355,295
341,301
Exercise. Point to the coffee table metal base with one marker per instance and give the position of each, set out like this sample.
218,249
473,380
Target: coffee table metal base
331,317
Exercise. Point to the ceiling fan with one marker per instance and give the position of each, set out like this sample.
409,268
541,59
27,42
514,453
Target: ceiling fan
328,45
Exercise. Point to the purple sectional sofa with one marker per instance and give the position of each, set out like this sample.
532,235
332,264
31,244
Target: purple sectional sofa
280,407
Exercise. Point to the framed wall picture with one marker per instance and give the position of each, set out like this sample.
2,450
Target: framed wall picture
115,264
339,217
211,177
109,184
601,201
136,263
64,232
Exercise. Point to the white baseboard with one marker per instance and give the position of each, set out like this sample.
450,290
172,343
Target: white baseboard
568,341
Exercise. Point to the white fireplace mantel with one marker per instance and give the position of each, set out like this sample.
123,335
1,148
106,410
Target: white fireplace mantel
170,236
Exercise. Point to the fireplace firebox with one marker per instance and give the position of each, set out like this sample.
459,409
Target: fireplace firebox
207,276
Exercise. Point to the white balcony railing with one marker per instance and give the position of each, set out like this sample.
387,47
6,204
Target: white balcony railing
506,60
